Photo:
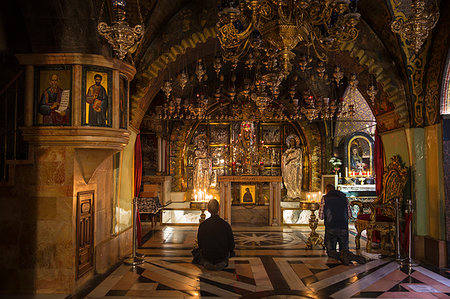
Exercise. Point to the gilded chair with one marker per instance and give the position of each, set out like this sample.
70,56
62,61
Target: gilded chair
381,215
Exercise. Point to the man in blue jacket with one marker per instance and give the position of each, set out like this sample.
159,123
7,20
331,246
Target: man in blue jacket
215,240
335,211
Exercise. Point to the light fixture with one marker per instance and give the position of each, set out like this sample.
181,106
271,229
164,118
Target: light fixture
278,26
372,89
416,28
120,35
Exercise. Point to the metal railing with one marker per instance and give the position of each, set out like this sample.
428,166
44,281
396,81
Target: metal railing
13,147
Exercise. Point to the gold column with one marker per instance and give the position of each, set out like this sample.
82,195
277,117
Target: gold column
76,95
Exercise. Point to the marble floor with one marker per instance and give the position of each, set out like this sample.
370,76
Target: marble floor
270,263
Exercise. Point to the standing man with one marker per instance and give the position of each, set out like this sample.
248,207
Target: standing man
97,99
215,240
335,211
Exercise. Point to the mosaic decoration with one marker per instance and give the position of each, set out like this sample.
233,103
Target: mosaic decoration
365,120
415,67
445,95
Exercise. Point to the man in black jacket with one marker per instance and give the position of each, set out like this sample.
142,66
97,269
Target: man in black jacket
335,211
215,240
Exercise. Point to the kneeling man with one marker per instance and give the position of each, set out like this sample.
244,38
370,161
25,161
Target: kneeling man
215,240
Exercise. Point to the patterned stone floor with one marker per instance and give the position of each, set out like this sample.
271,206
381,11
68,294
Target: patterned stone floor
270,263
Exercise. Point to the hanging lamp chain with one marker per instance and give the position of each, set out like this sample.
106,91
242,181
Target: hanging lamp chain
101,11
140,15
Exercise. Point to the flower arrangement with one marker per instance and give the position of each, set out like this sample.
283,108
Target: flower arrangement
335,164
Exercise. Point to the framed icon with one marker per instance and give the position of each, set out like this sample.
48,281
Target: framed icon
248,194
96,91
123,102
53,86
359,154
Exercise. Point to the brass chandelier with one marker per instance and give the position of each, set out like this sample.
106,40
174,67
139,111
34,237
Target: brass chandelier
120,35
418,26
278,26
259,95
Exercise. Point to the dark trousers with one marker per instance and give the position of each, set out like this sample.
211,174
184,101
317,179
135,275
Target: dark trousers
333,236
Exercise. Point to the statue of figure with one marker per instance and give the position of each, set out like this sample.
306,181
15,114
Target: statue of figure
202,165
291,167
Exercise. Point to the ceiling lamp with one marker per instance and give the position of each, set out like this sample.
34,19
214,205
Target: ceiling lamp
418,26
278,26
120,35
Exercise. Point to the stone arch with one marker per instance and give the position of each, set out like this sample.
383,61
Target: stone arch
445,93
361,52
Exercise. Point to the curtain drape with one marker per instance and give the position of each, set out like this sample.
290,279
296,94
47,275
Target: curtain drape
137,183
378,162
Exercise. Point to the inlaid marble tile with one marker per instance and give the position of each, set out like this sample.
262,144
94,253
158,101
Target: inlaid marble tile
274,262
387,282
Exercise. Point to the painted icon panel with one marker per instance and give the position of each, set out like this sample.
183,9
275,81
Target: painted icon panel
123,102
53,96
96,107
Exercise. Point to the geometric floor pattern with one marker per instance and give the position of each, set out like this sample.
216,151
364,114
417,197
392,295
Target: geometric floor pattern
269,263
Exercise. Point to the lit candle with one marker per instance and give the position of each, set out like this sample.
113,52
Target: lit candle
309,197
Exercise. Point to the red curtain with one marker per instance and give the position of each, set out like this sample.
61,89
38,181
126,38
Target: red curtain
378,162
137,183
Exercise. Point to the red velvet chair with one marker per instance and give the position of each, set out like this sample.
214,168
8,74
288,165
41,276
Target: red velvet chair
381,215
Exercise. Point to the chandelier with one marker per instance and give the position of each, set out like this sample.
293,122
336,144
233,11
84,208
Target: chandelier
418,26
120,35
193,95
278,26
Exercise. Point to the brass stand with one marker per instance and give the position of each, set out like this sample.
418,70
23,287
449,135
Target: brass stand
314,238
201,205
409,262
134,260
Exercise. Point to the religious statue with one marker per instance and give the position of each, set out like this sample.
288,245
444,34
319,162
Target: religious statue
202,165
291,167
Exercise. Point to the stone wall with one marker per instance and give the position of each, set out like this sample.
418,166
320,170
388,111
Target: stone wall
38,224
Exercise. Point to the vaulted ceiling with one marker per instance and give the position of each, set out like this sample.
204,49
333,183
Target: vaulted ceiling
183,31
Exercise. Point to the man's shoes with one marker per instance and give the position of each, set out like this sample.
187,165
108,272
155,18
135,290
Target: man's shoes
359,259
220,266
333,254
209,266
345,258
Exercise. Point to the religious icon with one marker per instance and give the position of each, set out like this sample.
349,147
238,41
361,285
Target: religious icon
54,96
271,134
359,155
248,194
123,102
97,85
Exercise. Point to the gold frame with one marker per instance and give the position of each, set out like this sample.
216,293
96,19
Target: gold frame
252,190
349,149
